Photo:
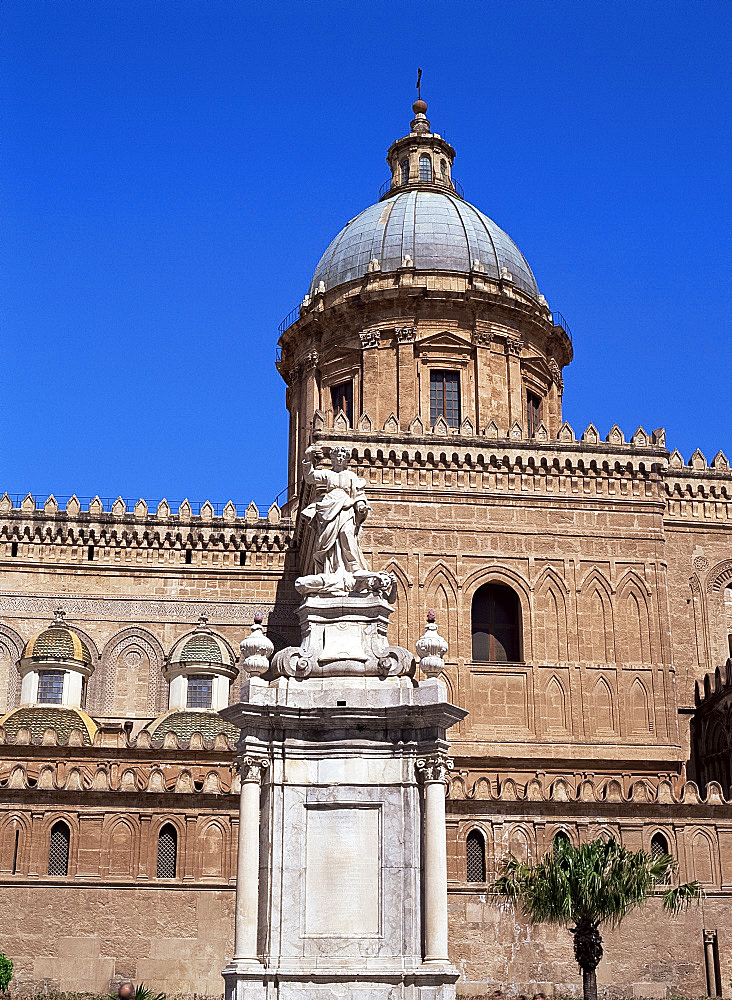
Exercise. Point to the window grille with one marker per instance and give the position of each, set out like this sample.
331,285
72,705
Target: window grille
659,845
404,167
200,691
425,168
475,857
341,396
560,838
167,852
58,850
445,397
533,412
496,620
50,687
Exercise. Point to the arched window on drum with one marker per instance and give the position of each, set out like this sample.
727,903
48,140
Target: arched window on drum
496,624
425,168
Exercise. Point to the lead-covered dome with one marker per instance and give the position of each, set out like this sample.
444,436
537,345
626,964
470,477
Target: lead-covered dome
436,230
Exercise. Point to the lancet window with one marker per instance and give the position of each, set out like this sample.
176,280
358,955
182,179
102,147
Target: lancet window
58,849
475,857
167,851
496,621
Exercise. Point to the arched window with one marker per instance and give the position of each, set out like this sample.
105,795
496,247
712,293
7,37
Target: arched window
425,168
58,849
496,624
167,851
475,857
659,845
443,170
560,839
728,594
404,168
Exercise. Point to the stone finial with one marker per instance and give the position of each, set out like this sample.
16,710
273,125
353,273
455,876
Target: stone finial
431,648
58,616
256,649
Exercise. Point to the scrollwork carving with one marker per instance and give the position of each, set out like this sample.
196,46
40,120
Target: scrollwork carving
434,767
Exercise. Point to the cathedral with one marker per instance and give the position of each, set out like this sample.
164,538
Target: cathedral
583,585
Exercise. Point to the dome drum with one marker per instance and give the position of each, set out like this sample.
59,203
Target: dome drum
199,671
55,667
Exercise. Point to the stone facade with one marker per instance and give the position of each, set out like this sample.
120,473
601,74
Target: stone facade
613,558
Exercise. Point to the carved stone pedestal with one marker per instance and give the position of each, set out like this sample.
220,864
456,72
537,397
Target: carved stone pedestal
347,884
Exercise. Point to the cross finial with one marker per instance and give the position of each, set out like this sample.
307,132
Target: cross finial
419,84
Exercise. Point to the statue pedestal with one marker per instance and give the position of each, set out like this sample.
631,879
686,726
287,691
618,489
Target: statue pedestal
343,637
342,879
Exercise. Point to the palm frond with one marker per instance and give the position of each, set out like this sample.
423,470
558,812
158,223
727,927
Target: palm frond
678,898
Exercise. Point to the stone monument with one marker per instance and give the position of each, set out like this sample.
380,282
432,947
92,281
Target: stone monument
342,876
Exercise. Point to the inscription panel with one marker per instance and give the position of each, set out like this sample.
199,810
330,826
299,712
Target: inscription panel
343,871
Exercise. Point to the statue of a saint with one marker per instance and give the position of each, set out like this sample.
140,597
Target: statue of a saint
337,513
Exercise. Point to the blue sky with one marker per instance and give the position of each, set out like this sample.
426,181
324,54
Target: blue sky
172,172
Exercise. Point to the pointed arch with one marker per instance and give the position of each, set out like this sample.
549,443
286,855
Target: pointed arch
555,714
602,708
550,609
702,858
213,850
634,623
640,721
441,593
143,670
596,620
59,849
167,864
399,621
121,840
11,650
519,843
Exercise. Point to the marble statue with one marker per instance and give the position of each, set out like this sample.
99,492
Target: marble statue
338,566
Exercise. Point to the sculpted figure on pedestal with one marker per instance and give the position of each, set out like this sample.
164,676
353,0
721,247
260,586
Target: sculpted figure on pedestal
338,566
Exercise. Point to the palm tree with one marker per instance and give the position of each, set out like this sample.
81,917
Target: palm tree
584,887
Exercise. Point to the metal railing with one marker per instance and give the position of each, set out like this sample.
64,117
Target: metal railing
293,314
559,320
444,184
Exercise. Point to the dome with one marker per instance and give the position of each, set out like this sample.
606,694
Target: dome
38,719
202,646
58,642
437,229
184,723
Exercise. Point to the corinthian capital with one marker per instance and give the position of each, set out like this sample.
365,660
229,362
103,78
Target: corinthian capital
251,767
434,767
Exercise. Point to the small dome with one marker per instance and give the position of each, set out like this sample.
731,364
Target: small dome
58,642
201,646
436,229
185,722
39,719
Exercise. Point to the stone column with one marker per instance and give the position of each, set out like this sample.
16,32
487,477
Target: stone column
434,774
247,865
